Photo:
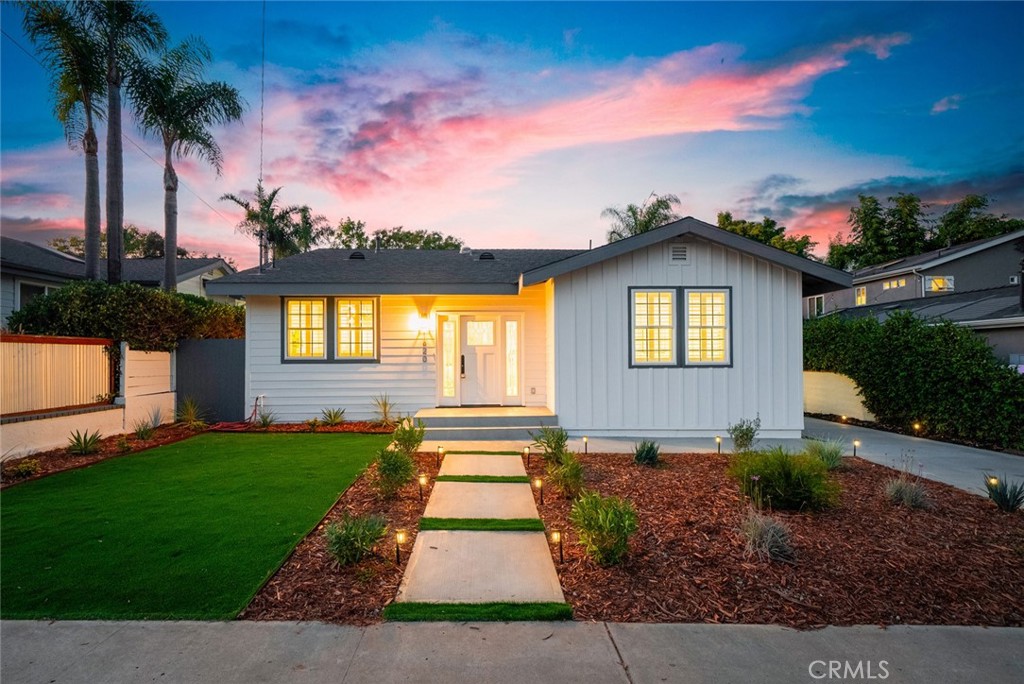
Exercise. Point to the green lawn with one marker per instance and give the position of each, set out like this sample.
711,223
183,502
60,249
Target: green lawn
186,531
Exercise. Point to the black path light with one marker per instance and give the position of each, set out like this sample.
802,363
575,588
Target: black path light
585,440
539,484
556,538
856,443
440,455
718,441
400,538
526,453
423,483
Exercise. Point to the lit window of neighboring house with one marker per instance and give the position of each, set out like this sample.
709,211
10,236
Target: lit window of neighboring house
938,283
861,296
894,283
304,336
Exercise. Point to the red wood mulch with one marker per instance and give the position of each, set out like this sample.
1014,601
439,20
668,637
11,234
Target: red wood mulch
365,427
866,562
57,460
311,586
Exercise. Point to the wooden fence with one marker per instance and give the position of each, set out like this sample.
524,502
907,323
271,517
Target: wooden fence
41,373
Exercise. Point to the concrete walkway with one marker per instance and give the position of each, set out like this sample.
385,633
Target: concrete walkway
498,653
463,566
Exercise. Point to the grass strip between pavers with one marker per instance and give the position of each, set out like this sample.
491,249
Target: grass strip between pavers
472,612
483,524
483,478
478,452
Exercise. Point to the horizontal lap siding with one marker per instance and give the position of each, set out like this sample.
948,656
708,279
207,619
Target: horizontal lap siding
596,389
299,391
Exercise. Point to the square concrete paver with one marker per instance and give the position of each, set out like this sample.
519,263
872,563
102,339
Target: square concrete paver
477,567
481,464
481,500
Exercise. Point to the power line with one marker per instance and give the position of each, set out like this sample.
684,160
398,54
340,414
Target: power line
139,147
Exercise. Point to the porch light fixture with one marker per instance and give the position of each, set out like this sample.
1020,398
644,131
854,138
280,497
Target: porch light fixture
400,538
538,483
856,443
440,455
718,441
556,538
585,440
423,483
526,453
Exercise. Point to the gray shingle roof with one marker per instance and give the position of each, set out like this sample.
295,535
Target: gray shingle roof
392,271
938,255
151,271
26,258
991,304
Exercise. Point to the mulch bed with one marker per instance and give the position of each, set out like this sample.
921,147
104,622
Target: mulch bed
57,460
960,562
311,585
365,427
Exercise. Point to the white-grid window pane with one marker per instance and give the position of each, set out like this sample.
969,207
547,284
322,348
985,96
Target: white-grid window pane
707,316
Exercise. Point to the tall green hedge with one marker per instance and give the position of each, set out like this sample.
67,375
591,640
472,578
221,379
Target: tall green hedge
940,375
145,318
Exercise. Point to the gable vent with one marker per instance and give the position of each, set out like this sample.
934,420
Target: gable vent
486,256
679,254
357,255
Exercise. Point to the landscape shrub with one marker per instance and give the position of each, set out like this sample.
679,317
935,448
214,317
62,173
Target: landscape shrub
332,416
783,480
146,318
829,451
1007,496
26,467
123,445
265,418
941,375
408,436
83,444
744,433
605,525
646,453
352,538
312,424
567,475
907,489
190,413
553,443
395,469
143,429
385,410
766,537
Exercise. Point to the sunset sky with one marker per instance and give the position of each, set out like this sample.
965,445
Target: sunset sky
514,125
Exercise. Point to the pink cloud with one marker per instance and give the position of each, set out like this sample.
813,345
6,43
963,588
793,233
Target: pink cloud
946,104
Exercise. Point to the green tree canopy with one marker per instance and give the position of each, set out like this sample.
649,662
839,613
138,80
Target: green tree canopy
137,244
657,210
351,234
769,232
285,230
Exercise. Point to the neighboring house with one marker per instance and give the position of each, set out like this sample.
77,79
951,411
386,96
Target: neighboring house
982,264
997,314
680,331
28,270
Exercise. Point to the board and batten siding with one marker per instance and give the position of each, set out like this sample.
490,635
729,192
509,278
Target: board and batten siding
597,393
299,391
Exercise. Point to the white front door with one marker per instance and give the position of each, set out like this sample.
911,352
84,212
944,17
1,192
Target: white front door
481,363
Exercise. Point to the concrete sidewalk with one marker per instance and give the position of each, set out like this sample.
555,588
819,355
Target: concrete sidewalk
496,653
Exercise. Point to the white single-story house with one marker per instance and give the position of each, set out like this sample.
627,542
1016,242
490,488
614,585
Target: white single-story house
677,332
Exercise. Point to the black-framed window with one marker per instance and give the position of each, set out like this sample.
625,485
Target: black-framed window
680,326
305,333
330,329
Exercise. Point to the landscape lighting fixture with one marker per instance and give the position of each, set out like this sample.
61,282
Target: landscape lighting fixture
856,443
526,453
556,538
440,455
400,537
423,483
539,484
917,427
993,481
718,441
585,440
842,418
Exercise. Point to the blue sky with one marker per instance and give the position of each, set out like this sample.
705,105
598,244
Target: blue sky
516,124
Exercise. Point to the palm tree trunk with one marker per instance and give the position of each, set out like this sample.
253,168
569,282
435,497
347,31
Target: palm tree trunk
92,203
115,172
170,223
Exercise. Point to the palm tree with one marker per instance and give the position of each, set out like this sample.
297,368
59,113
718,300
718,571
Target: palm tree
272,225
170,99
127,30
75,61
634,220
309,230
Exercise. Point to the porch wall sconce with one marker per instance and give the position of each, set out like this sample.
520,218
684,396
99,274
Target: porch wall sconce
556,538
538,483
526,453
718,441
400,538
440,455
423,483
856,443
585,440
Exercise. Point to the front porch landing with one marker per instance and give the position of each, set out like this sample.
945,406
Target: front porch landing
474,423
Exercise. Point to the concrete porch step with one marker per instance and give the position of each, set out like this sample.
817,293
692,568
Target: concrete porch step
481,433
